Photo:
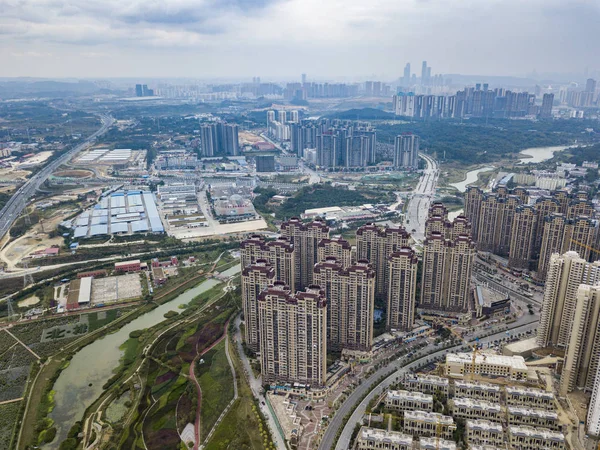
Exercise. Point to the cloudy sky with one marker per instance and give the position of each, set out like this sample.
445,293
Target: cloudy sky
283,38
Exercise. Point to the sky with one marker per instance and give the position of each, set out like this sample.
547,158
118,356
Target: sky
284,38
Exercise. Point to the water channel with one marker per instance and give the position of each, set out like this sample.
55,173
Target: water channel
81,383
471,177
539,154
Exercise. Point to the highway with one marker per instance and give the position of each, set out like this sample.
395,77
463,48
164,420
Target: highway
418,205
523,324
19,200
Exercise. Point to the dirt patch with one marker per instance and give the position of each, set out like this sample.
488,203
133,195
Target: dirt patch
249,138
30,301
74,173
13,174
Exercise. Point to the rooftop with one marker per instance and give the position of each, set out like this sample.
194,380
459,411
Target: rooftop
433,379
375,434
439,444
484,425
543,413
539,433
476,404
517,390
516,362
406,395
423,416
476,385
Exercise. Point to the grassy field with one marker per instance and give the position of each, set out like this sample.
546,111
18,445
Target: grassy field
8,417
216,383
242,427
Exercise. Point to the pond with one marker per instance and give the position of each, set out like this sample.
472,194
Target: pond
81,382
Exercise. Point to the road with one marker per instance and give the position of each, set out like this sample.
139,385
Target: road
19,200
523,324
418,206
257,390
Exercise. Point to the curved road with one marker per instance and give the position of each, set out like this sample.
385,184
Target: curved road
524,324
17,202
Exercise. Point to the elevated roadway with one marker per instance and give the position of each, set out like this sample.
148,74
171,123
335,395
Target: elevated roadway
18,201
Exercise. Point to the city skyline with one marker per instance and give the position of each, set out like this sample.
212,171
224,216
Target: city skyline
184,38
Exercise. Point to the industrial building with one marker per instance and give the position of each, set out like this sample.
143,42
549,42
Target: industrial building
123,212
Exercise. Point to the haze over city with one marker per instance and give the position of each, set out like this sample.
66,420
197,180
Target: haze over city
348,39
299,225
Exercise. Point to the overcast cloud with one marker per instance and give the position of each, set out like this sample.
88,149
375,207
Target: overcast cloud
282,38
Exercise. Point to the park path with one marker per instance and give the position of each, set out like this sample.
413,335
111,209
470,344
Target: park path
235,395
22,343
198,389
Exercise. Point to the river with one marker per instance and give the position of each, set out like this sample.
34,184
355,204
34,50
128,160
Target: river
539,154
471,177
81,383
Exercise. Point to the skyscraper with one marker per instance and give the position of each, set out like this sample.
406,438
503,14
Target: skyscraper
564,275
305,237
375,244
583,350
406,151
473,199
350,294
208,140
446,273
593,416
339,248
424,73
590,85
562,235
255,278
490,216
546,109
402,289
279,253
219,139
522,237
293,335
406,78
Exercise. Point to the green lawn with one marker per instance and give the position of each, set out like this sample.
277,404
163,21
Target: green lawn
216,382
241,427
9,414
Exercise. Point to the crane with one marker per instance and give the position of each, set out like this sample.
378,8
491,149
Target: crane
473,360
589,247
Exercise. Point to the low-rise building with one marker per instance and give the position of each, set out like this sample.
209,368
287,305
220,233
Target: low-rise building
376,439
436,444
486,447
529,438
477,390
128,266
535,417
429,384
421,423
460,364
408,401
529,397
484,432
467,408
